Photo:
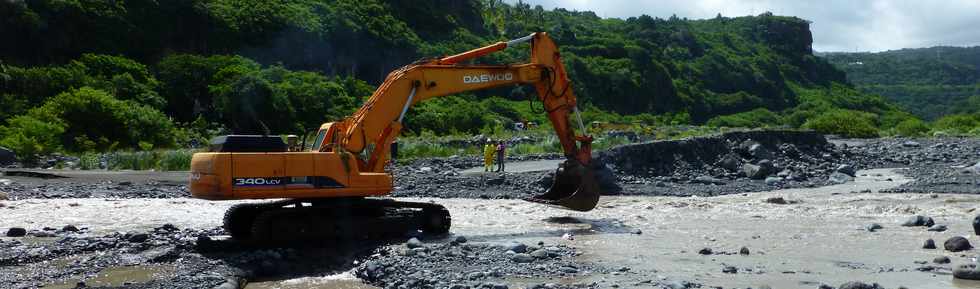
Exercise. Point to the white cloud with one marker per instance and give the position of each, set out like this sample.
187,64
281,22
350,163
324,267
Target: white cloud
837,25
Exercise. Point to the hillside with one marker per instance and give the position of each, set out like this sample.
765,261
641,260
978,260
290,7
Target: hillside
203,67
929,82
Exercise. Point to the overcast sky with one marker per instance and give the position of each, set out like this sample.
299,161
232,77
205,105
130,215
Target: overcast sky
838,25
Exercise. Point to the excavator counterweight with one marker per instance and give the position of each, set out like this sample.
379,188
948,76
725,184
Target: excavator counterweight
328,188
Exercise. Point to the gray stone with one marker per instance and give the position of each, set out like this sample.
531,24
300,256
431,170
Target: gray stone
540,254
517,247
941,260
859,285
522,258
918,220
414,243
937,228
16,232
69,228
568,270
754,171
929,244
911,144
460,239
772,181
139,238
743,251
976,225
729,270
708,180
759,152
730,162
847,169
957,244
966,271
873,227
839,178
776,200
705,251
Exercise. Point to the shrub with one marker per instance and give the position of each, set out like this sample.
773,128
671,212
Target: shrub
957,124
89,119
912,128
28,137
847,123
759,117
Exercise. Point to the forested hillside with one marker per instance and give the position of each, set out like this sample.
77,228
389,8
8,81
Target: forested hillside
929,82
102,75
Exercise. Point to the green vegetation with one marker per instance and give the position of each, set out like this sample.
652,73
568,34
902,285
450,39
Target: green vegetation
929,82
140,77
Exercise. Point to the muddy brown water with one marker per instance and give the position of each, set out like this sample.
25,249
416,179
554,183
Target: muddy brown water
819,240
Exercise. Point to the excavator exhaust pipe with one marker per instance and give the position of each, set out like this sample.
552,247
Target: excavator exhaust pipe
574,188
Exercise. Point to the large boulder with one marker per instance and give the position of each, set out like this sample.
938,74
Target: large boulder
7,157
758,171
919,220
730,162
839,178
957,244
966,271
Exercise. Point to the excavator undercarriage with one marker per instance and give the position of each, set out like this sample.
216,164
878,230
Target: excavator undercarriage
334,219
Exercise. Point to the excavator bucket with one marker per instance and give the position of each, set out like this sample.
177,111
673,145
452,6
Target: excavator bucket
574,188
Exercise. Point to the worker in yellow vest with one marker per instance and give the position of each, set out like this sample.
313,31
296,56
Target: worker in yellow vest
488,151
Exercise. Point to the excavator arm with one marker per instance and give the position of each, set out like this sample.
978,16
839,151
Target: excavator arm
379,121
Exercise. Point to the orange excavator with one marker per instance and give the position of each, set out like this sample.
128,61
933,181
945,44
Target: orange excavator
333,189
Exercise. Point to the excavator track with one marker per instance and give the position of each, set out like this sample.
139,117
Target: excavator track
324,219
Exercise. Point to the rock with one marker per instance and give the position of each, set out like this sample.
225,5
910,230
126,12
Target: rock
425,169
69,228
460,239
708,180
743,251
139,238
16,232
753,171
759,152
540,254
730,162
873,227
231,283
859,285
7,157
839,178
517,247
918,220
929,244
414,243
976,225
636,231
966,271
956,244
776,200
522,258
568,270
475,275
43,234
941,260
772,181
705,251
910,144
3,196
847,170
729,270
937,228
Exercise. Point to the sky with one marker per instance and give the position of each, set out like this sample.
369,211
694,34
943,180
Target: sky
837,25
